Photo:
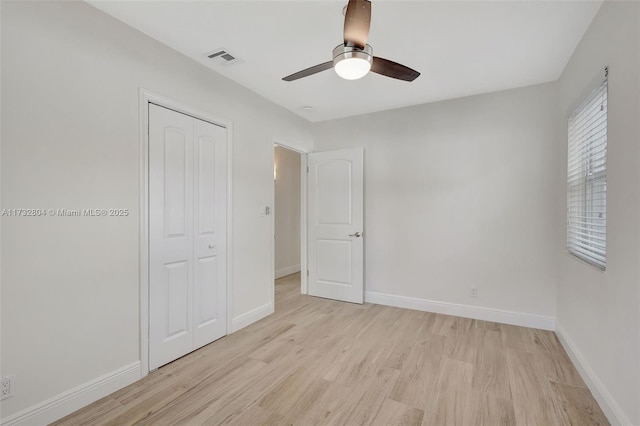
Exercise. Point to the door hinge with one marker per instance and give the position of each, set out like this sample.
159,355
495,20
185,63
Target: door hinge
307,272
307,169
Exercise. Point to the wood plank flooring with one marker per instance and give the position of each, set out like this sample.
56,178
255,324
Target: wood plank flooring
322,362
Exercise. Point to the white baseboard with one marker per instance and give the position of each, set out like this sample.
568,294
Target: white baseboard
248,318
607,403
69,401
283,272
475,312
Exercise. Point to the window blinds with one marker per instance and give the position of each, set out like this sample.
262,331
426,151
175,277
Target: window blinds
587,179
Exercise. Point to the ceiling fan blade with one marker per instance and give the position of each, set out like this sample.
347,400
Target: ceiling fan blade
357,20
393,69
309,71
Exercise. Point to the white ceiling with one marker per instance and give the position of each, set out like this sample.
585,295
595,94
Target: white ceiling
461,48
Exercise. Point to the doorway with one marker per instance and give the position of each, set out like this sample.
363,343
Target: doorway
185,229
287,218
331,222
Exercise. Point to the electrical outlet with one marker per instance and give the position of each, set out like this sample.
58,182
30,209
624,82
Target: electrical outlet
474,291
7,387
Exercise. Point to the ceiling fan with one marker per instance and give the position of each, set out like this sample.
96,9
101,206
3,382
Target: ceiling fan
354,58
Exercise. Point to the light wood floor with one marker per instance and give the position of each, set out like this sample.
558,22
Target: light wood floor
321,362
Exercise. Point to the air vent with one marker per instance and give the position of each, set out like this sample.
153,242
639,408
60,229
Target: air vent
223,57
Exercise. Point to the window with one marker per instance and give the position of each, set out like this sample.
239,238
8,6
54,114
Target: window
587,179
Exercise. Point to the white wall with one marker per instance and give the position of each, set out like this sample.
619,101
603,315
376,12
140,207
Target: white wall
598,313
70,80
459,194
287,211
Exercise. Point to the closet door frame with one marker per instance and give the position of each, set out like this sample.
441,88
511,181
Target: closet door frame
146,97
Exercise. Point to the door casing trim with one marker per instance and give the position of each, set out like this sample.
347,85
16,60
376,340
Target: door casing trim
145,97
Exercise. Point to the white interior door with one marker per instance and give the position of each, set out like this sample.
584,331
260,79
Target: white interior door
187,234
336,255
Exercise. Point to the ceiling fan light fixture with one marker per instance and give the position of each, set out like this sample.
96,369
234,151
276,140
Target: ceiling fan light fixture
352,63
352,68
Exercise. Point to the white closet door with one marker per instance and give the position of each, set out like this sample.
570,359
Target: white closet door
187,238
210,295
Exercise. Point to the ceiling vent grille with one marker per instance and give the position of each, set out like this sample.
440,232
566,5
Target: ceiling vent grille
223,57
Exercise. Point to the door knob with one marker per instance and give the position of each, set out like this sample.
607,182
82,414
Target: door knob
357,235
212,246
